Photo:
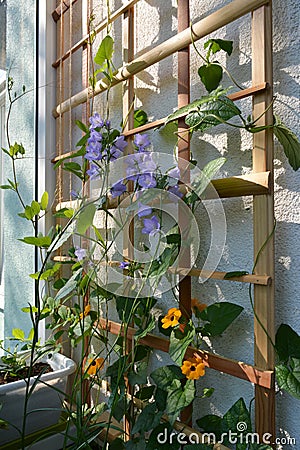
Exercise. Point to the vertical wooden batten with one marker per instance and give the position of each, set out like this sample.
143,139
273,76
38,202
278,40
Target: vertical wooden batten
128,119
185,291
263,217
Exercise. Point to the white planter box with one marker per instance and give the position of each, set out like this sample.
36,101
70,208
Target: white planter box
43,396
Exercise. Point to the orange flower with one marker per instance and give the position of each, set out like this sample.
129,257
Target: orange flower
94,364
86,312
171,319
193,368
197,305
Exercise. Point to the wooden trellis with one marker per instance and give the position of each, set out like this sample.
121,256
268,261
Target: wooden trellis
259,183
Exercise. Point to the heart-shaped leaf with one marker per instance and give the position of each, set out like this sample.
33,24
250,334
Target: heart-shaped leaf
211,75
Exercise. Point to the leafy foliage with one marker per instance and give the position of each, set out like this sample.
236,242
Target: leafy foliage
219,316
208,111
287,345
289,142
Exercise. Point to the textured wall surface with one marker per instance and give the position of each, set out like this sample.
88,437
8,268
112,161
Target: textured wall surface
18,257
156,92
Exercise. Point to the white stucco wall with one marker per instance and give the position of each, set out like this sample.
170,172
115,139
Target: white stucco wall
156,92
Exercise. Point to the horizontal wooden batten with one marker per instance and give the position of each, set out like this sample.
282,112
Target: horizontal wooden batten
83,41
62,9
231,367
161,122
263,280
216,20
234,97
252,184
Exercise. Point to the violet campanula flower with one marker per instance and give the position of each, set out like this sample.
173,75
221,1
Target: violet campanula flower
96,121
74,194
142,141
117,189
120,143
95,136
147,181
151,226
175,190
80,253
93,171
144,210
115,153
174,176
123,265
93,151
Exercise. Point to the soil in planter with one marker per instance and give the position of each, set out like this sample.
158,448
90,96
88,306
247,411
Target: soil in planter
37,369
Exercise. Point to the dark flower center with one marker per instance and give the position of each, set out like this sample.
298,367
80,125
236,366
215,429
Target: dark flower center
172,318
193,368
93,363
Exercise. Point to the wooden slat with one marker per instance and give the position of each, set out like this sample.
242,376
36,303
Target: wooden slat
84,40
252,184
216,20
237,369
161,122
62,9
263,218
263,280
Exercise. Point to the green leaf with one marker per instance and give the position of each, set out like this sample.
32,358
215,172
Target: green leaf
145,393
289,142
69,286
237,414
142,332
105,51
220,316
44,201
164,376
178,347
137,443
82,126
179,398
197,104
117,444
212,114
140,374
216,45
74,168
18,334
29,309
85,218
288,377
233,274
148,419
211,424
202,180
6,186
41,241
16,149
36,208
287,343
211,75
140,118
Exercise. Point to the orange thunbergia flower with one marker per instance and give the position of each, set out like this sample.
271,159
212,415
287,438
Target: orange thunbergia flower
197,305
193,368
171,319
86,312
95,364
